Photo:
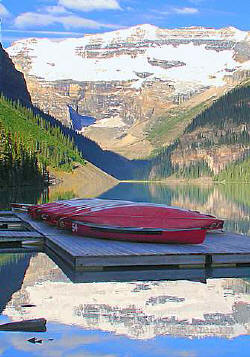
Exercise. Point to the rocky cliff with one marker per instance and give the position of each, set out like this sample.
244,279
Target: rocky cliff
129,79
12,82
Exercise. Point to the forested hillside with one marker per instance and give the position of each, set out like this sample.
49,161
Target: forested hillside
238,171
29,145
108,161
216,142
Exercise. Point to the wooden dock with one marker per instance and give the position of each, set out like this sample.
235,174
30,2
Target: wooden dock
15,230
89,254
142,273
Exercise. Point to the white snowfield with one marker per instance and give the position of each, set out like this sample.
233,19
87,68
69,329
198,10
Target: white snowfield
60,60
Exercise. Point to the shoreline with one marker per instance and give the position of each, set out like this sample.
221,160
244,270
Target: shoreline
87,181
165,182
198,181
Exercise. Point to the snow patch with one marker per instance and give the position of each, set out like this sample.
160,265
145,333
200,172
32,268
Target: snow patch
114,122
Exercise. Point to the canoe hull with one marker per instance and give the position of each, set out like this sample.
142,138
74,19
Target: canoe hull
130,234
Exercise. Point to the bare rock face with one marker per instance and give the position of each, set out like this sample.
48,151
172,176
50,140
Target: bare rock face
129,78
12,82
216,156
242,50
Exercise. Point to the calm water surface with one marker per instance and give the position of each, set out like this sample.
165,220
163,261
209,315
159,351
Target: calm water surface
133,318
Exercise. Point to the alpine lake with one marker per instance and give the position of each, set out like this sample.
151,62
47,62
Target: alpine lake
102,318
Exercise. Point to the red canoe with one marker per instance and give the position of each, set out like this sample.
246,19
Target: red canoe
126,220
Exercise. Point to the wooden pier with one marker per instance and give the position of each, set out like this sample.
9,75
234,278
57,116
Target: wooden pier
146,273
15,230
222,249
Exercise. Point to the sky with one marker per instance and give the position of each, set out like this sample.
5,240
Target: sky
74,18
70,341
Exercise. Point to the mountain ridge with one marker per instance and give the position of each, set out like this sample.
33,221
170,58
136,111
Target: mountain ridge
130,78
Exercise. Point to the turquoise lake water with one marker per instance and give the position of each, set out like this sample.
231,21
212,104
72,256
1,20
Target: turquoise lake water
175,318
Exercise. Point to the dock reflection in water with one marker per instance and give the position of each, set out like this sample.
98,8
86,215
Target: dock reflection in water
138,310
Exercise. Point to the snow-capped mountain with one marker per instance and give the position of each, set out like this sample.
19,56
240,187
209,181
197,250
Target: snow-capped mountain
191,54
128,78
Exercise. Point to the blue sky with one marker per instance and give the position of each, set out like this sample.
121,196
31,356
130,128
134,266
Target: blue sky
73,18
70,341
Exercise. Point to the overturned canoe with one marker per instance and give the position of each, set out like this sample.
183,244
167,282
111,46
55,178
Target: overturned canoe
126,220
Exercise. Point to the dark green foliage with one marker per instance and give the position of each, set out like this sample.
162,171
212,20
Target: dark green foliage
17,164
194,170
112,163
228,136
108,161
232,107
172,125
238,171
161,164
238,194
29,144
24,194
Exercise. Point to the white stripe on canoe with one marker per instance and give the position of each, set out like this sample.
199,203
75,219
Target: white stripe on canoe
99,204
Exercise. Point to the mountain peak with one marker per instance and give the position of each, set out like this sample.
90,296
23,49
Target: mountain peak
123,33
146,27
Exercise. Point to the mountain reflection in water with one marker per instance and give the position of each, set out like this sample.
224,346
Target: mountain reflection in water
134,309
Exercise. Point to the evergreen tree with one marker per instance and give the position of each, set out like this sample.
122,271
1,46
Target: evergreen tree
28,147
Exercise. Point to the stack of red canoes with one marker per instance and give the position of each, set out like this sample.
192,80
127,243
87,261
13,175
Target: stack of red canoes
126,220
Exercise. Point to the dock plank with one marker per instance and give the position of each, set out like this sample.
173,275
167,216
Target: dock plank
3,213
19,234
10,220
